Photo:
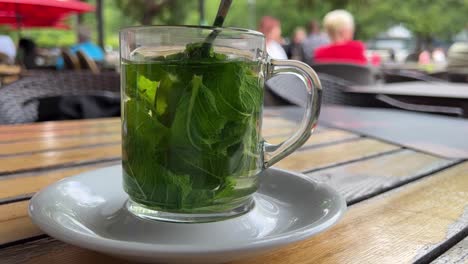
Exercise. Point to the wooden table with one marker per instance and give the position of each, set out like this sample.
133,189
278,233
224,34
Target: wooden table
404,206
420,93
9,73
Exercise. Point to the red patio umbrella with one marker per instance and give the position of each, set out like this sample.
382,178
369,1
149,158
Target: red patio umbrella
39,13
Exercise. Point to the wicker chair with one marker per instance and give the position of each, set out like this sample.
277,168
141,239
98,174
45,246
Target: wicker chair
17,104
70,60
334,92
86,63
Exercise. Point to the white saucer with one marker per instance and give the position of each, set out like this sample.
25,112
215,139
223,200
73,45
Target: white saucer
88,210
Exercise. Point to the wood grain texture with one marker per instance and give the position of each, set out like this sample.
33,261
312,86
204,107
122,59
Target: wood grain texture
392,228
58,143
51,251
277,131
275,121
54,134
26,185
456,255
61,125
15,223
396,227
369,177
324,137
309,159
59,158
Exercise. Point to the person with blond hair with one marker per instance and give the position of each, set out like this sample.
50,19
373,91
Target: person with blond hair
339,25
271,28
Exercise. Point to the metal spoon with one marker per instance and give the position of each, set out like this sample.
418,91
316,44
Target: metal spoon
223,9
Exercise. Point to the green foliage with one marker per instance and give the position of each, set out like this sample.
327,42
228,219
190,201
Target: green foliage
147,12
426,18
191,130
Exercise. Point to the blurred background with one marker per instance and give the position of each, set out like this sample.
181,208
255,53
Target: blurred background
406,26
360,48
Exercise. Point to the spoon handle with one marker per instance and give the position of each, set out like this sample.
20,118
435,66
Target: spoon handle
222,12
220,16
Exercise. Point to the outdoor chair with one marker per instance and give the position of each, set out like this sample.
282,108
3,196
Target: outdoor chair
334,92
19,101
355,74
86,62
70,60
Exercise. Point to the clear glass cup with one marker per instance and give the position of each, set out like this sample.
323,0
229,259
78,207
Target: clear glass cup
192,116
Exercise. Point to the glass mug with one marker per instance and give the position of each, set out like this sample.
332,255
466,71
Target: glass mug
192,148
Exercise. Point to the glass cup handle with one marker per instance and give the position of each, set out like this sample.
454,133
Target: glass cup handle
275,152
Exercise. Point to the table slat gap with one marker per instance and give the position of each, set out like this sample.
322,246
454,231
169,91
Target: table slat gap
61,166
457,254
349,241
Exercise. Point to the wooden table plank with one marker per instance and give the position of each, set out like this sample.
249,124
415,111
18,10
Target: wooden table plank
16,223
357,181
317,139
270,121
51,130
404,227
38,252
61,125
24,186
306,160
276,131
397,227
456,255
56,144
59,158
54,134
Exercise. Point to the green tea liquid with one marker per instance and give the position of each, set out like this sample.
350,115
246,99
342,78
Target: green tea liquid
191,133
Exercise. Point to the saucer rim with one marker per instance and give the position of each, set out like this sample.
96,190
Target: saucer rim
103,244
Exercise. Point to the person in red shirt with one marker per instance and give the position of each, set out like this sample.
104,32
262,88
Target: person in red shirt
339,25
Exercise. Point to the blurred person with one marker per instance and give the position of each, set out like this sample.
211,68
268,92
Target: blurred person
315,39
271,28
438,56
457,62
27,53
424,57
7,48
295,50
375,59
85,44
339,25
392,55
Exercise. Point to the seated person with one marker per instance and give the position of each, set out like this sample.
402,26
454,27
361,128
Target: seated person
7,49
339,25
93,51
27,53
